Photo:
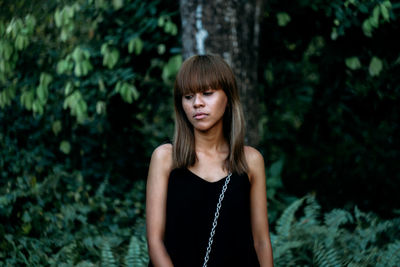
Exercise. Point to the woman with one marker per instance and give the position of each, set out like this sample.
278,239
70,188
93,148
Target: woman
207,166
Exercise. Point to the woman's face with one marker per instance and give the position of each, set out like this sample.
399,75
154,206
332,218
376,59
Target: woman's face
206,109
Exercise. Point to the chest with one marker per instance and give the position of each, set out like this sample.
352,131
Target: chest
193,194
210,166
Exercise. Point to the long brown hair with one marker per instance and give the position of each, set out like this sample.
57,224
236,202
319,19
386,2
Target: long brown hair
198,74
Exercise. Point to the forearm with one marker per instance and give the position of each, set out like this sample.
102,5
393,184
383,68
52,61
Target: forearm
264,253
159,255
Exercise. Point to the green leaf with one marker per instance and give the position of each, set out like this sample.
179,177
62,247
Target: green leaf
100,107
30,22
26,218
41,93
21,42
135,92
375,67
367,28
131,45
56,127
283,18
37,106
27,98
6,50
103,49
118,4
161,49
138,46
62,66
65,147
68,13
269,76
336,22
102,87
57,17
118,87
334,34
77,54
86,67
171,68
161,21
276,168
353,63
114,58
78,69
374,20
384,12
68,88
26,228
135,44
170,27
45,79
387,4
110,56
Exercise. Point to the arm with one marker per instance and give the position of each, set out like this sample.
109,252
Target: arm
258,207
156,198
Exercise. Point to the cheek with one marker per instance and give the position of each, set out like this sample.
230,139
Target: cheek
186,109
222,103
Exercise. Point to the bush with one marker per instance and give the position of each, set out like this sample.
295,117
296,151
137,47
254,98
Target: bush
330,100
65,221
305,237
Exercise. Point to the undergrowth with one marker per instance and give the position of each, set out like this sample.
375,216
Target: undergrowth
62,221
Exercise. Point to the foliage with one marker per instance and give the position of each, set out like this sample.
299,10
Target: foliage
278,198
330,100
89,72
78,83
85,96
304,237
64,220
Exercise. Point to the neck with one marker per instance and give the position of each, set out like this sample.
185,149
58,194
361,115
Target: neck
211,140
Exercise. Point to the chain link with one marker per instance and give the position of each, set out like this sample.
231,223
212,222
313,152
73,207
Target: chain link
216,215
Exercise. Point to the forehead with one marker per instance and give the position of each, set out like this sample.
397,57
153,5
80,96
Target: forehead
199,77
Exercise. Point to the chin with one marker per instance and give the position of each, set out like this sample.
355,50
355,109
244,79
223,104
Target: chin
201,127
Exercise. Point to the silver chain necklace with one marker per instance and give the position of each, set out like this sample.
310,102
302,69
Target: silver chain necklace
216,215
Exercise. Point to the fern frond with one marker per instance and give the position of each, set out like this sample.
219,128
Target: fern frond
362,216
311,211
133,255
101,189
285,247
326,257
107,257
85,264
137,253
284,223
66,254
337,217
391,256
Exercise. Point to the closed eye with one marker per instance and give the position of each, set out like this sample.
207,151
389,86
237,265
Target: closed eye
206,93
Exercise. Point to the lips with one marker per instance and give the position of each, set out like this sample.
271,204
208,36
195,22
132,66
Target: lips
200,115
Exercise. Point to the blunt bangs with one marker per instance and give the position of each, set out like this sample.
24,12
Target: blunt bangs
201,73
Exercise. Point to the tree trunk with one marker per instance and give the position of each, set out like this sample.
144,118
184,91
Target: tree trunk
230,29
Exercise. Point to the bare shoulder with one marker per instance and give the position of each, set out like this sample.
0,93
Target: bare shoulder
162,157
253,156
163,151
255,162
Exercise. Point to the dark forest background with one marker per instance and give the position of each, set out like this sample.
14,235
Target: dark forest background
86,95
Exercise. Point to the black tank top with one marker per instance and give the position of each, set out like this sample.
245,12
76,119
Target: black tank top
191,204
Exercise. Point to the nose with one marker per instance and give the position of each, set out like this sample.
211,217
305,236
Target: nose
198,101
